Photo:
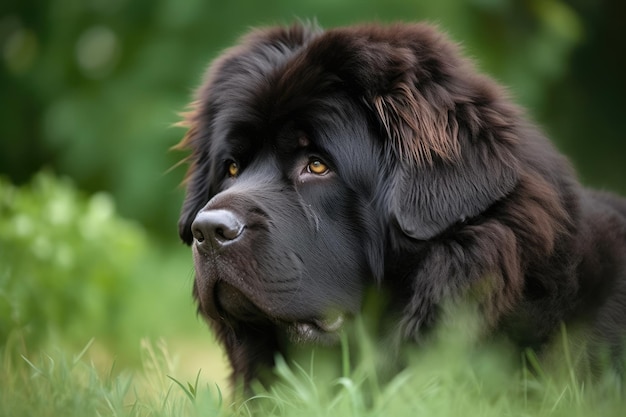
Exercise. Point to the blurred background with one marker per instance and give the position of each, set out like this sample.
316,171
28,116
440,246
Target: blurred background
89,188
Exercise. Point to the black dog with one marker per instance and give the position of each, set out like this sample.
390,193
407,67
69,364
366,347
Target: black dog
324,163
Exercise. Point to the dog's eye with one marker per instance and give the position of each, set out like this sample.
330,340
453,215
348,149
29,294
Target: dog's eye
233,169
317,167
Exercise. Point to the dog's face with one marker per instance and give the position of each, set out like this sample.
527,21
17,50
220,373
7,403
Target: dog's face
321,163
284,235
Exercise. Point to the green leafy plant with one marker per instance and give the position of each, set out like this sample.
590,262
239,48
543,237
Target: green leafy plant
64,258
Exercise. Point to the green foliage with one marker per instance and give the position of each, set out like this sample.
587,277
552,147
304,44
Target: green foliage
65,260
95,97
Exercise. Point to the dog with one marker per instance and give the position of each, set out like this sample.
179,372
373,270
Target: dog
327,163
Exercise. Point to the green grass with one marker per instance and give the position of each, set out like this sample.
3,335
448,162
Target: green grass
59,384
445,380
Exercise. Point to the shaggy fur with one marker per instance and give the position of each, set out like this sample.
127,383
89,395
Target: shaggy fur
437,190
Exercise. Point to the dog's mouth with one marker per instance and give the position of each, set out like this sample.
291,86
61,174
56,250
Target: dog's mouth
233,306
325,331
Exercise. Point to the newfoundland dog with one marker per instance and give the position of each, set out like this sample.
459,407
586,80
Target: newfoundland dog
327,163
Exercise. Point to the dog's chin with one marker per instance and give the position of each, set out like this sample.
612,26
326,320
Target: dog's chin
234,307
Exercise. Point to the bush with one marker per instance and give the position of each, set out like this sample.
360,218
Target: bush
65,258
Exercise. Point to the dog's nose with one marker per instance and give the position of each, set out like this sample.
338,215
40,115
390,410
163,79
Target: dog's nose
216,227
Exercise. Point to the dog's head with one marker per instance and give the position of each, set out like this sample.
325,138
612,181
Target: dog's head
316,156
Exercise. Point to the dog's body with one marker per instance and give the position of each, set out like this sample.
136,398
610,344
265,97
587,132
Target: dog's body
327,162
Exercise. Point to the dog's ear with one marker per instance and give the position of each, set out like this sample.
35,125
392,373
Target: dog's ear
199,122
197,181
449,133
425,200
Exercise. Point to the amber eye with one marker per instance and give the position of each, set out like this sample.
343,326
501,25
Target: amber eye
317,167
233,169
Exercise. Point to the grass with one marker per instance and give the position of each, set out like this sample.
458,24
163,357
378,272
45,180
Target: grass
59,384
446,380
